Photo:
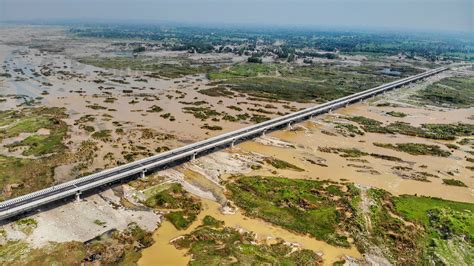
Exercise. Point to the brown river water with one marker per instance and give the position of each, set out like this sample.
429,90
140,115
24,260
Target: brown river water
164,253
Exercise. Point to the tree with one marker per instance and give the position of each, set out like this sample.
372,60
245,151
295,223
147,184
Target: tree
254,59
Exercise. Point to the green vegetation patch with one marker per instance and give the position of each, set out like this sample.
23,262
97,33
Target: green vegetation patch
212,222
378,225
243,71
30,121
303,206
202,113
217,92
298,83
211,127
343,152
19,176
185,207
19,253
99,222
141,63
26,225
216,245
280,164
449,228
155,109
348,130
416,149
22,175
453,92
386,157
111,248
454,182
104,135
431,131
43,144
396,114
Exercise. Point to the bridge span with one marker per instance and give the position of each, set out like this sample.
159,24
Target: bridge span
28,202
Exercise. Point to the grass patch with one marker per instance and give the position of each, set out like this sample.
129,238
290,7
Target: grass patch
348,130
397,241
19,176
452,92
209,245
202,113
99,222
303,206
431,131
104,135
209,127
416,149
26,225
386,157
19,253
396,114
155,109
280,164
217,92
142,63
298,83
449,226
212,222
30,121
345,153
243,71
173,198
258,118
454,182
112,248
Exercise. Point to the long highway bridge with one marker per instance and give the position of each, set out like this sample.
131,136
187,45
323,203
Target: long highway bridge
25,203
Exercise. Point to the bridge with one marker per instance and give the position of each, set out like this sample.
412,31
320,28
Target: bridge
25,203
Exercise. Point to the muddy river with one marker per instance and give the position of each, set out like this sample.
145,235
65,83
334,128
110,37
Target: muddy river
164,253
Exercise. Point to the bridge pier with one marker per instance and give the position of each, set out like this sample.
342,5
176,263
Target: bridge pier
193,157
78,196
263,133
290,127
142,174
232,144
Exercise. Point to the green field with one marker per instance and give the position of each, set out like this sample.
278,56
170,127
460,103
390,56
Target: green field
318,83
449,92
449,225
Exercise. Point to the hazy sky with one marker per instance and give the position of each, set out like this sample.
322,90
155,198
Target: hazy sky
451,15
